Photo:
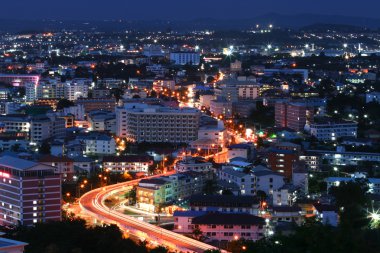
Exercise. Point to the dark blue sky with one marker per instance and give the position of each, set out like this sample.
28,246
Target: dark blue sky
180,9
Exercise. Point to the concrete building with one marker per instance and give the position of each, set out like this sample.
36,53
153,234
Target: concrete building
342,157
18,123
165,190
19,80
282,161
325,129
63,165
183,58
243,180
221,107
248,92
294,115
193,164
91,104
149,123
11,246
102,121
29,192
229,227
98,144
129,163
267,181
77,88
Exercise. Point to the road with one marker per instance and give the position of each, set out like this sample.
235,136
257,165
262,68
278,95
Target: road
92,204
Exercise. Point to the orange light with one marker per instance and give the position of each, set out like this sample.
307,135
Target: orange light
68,194
85,181
82,186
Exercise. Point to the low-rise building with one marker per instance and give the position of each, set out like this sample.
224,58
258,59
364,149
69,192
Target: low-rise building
63,165
330,130
11,246
243,180
287,214
158,192
193,164
224,204
229,227
98,144
128,163
327,214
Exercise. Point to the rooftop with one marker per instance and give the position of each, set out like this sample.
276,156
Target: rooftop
229,218
16,163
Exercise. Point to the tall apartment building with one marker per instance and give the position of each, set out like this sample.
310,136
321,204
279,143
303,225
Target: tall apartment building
248,91
151,123
29,192
294,115
183,58
282,160
77,88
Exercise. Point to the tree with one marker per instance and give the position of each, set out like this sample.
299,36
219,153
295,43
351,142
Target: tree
44,148
64,103
74,236
326,87
197,233
131,195
351,199
227,192
159,249
210,187
15,147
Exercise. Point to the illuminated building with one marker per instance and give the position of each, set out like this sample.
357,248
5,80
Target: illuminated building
294,115
78,88
230,226
19,80
165,190
193,164
325,129
150,123
183,58
91,104
30,192
343,157
281,161
134,163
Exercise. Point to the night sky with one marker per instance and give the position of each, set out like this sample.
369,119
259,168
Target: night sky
180,9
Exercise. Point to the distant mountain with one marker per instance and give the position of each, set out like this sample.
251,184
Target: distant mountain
297,21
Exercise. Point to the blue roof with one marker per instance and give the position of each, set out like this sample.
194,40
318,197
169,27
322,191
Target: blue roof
188,213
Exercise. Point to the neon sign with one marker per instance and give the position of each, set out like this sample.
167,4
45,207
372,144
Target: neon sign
6,175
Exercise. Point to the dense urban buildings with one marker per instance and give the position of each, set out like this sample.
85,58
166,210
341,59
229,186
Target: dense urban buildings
206,135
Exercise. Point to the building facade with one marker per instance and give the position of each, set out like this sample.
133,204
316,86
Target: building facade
29,192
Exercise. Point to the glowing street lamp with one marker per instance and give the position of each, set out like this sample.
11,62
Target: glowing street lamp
375,219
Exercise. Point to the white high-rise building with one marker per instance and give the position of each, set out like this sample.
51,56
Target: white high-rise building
76,89
30,92
183,58
152,123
